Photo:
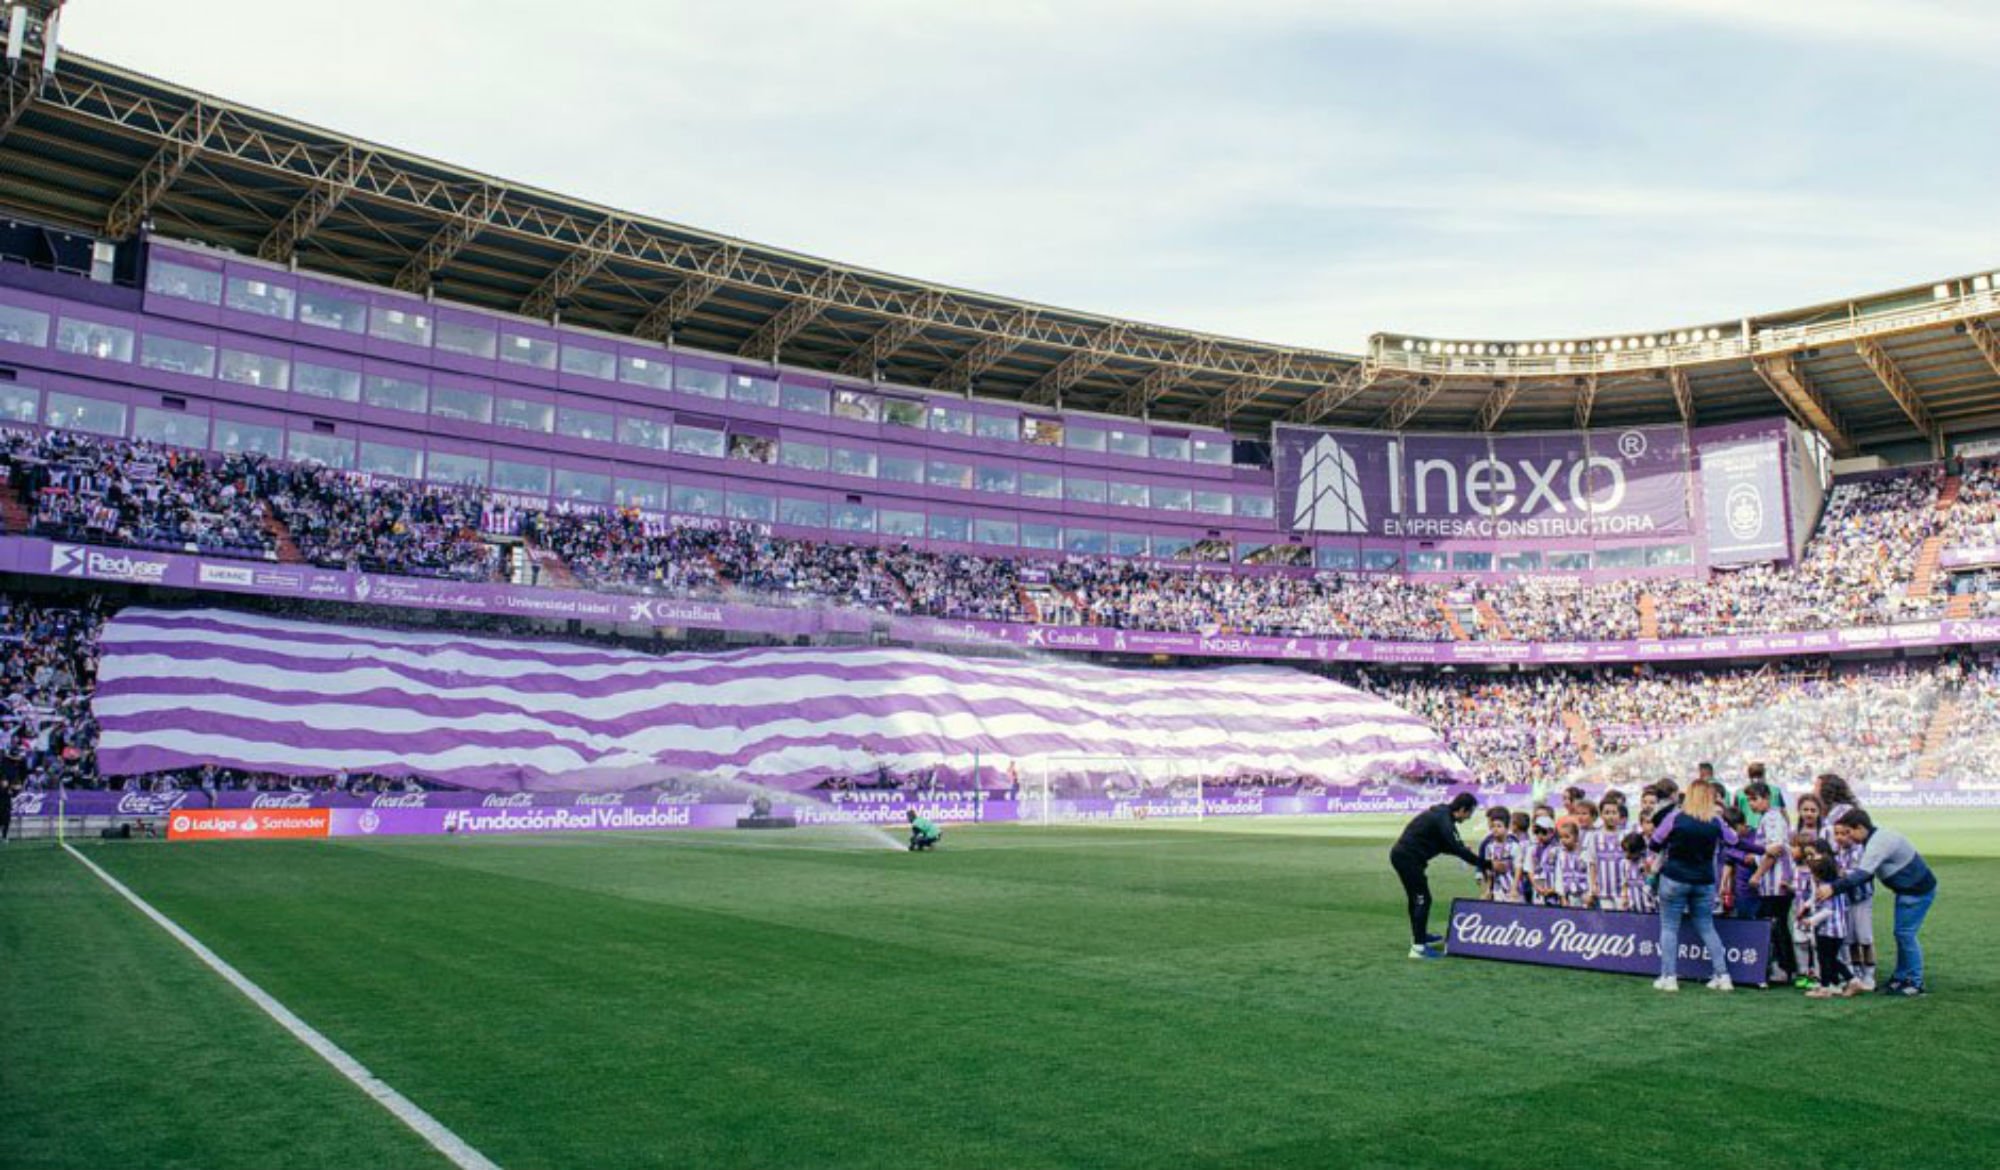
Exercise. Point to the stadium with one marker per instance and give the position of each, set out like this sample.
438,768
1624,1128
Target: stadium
493,679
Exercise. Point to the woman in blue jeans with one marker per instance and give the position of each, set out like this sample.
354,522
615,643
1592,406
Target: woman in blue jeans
1689,836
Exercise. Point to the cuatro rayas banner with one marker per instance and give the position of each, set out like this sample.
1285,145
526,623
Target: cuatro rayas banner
1600,940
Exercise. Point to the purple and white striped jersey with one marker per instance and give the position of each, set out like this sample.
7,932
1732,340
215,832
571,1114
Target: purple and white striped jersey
1634,893
1569,874
1607,854
1505,882
1834,925
1778,872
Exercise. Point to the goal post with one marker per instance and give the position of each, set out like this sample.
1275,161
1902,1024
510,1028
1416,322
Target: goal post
1084,789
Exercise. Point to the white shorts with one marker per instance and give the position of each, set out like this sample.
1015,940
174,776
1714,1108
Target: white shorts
1861,923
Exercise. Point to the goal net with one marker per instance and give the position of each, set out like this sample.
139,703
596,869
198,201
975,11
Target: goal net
1085,789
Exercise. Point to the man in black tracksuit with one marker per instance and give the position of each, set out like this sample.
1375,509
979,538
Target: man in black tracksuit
1429,833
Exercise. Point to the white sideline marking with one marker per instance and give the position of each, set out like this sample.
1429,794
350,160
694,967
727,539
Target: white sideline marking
427,1127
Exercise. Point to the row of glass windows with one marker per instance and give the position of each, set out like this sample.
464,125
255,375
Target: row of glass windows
95,416
1381,560
65,411
448,335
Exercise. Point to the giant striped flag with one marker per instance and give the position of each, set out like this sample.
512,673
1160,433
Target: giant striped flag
184,687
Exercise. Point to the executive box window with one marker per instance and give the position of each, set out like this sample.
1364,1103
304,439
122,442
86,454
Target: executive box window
1214,503
468,340
754,507
1255,506
1041,485
699,382
1669,555
689,440
1173,499
853,518
524,415
1214,452
1085,540
589,363
944,473
1427,562
396,394
1472,562
1338,559
953,528
803,399
854,406
324,450
1004,428
111,343
261,298
1130,495
804,456
583,487
1520,562
908,525
1169,447
327,310
801,513
391,459
901,412
1131,443
1621,558
534,352
593,425
183,283
753,391
753,448
949,420
1080,439
236,436
1129,544
651,372
459,404
1041,536
648,495
854,461
1005,532
405,326
644,432
176,428
262,370
696,501
1001,481
1083,491
317,381
527,479
18,404
173,356
1380,560
901,469
20,326
446,467
1042,432
1171,548
1569,562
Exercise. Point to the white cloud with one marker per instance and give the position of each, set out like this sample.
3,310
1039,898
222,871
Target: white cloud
1178,161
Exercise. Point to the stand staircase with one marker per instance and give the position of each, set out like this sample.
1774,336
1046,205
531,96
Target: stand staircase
1490,619
1924,580
1579,734
281,535
1649,616
1937,734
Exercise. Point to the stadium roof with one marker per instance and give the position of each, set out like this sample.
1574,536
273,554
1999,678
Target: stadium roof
108,151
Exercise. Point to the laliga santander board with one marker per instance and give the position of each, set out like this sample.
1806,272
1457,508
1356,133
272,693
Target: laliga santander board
237,824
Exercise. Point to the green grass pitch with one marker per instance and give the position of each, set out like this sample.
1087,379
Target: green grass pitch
1211,996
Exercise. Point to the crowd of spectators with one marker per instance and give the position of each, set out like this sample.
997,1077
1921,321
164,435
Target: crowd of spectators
1629,726
47,732
1857,569
134,493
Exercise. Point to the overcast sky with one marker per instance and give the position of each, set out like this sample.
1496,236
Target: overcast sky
1301,172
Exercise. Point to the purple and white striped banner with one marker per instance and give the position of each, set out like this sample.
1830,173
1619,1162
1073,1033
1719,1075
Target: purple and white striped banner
183,688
